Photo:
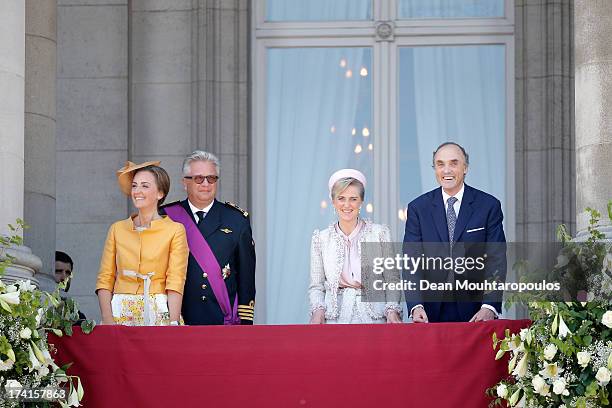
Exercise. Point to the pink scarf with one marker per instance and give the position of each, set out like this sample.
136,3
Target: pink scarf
351,270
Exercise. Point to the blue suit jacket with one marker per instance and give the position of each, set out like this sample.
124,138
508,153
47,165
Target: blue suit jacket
481,214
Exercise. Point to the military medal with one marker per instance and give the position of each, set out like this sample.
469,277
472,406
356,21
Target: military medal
226,271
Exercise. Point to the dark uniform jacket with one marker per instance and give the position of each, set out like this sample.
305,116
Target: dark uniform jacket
227,229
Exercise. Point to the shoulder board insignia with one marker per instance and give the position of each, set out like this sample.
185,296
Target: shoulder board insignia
245,213
171,204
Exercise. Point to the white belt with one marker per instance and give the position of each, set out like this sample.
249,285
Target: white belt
147,285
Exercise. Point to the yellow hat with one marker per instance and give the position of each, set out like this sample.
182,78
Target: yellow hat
125,175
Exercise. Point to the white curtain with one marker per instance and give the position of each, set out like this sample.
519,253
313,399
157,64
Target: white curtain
450,8
312,108
452,93
318,10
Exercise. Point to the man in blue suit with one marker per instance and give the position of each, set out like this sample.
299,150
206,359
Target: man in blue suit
455,213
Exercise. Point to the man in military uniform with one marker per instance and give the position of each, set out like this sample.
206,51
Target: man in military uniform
220,285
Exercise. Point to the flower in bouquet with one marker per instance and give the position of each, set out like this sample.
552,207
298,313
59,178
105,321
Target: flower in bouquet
550,351
603,376
583,357
540,386
606,319
559,387
502,390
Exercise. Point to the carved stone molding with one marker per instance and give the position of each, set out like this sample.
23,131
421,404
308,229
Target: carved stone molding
385,31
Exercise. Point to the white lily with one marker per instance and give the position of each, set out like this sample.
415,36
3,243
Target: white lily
48,360
73,399
563,329
11,289
11,298
521,368
26,285
39,316
551,371
33,359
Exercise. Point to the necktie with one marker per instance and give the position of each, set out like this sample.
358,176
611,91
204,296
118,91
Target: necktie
451,219
200,215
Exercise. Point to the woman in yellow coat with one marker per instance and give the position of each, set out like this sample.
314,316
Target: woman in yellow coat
144,263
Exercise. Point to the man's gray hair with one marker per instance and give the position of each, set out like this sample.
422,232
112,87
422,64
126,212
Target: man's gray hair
200,155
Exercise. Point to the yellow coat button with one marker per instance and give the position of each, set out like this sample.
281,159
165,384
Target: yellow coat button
205,275
204,286
203,298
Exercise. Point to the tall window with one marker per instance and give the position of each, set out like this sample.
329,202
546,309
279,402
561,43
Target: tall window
375,85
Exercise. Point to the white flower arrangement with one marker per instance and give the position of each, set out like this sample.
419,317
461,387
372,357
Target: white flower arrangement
27,314
564,359
549,370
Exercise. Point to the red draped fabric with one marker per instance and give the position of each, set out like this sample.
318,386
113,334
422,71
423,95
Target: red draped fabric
407,365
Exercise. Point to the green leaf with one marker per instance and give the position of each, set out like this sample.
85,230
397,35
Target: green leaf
5,306
57,332
500,354
610,210
87,326
11,354
591,389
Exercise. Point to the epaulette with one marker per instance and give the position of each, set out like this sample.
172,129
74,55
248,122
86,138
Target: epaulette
169,204
234,206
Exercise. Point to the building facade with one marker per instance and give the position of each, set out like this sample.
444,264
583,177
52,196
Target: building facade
283,93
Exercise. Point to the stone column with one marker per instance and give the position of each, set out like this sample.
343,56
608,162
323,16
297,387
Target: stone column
223,94
40,73
593,24
12,79
544,137
91,141
189,64
162,58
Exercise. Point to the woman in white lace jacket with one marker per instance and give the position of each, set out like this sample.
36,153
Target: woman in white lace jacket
335,265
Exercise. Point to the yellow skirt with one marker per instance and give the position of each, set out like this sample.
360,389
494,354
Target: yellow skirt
129,310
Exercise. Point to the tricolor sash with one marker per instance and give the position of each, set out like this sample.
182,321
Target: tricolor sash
205,257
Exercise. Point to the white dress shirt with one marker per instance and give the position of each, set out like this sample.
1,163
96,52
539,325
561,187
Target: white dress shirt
195,209
458,196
